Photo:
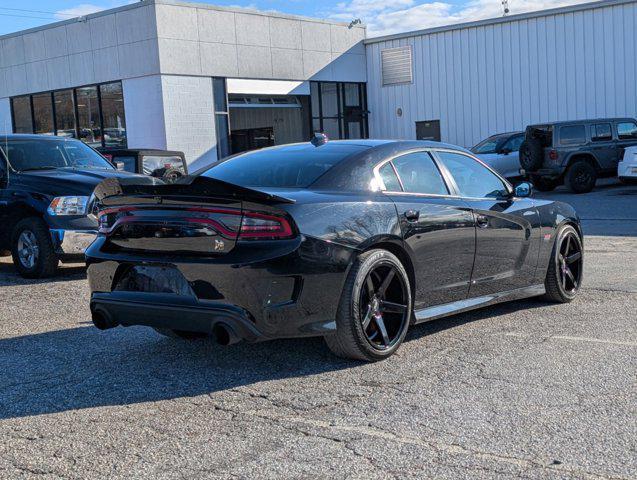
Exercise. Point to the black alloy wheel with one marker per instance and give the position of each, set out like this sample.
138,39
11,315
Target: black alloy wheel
375,308
385,315
566,271
581,177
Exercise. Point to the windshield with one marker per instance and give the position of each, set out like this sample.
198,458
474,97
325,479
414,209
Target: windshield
285,167
490,145
34,154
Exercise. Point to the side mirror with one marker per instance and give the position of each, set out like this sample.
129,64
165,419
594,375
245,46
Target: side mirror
524,189
119,166
505,151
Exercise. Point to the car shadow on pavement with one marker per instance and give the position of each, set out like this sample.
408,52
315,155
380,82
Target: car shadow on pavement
9,276
82,367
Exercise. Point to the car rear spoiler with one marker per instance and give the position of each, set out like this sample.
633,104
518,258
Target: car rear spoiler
111,188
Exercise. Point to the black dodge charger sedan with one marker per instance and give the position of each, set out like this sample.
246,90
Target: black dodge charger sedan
350,240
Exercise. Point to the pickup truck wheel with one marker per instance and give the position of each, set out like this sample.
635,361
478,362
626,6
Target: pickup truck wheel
581,177
32,249
544,184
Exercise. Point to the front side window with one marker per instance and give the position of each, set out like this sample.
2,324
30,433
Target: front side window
601,132
513,144
627,131
573,135
52,154
419,174
473,179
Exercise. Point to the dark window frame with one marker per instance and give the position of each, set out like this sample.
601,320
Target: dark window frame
222,115
74,90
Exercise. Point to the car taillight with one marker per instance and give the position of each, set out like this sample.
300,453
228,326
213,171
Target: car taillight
261,226
553,155
254,225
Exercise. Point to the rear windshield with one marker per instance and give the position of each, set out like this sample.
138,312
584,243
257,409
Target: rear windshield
283,167
490,145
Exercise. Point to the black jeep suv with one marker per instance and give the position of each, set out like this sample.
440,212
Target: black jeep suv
575,153
46,202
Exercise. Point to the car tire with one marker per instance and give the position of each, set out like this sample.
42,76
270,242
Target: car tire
531,154
562,286
542,184
372,318
32,249
581,177
180,334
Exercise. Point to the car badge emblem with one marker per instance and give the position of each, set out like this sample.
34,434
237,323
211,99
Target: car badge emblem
219,245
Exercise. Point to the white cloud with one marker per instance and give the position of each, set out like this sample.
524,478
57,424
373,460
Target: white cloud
384,17
88,8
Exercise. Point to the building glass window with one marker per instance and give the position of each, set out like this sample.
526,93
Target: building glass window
42,114
112,101
339,109
64,113
222,127
88,116
21,114
95,114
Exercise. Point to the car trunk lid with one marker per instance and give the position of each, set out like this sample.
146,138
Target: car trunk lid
193,216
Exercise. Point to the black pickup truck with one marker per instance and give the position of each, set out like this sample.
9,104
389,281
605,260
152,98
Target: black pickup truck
46,204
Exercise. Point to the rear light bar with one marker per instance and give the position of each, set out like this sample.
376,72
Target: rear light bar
254,225
553,155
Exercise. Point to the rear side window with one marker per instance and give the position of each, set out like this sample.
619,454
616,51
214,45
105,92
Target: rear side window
627,131
153,163
573,135
601,132
130,163
389,178
419,174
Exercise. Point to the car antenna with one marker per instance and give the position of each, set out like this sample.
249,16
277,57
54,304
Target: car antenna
319,139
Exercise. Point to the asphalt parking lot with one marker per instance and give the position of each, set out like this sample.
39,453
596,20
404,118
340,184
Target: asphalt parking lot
525,389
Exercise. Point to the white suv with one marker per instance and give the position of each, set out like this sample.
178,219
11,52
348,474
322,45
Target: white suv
627,168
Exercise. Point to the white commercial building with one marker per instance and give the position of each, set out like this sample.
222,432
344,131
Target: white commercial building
165,74
210,81
463,83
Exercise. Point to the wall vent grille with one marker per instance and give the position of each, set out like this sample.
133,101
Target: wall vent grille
396,65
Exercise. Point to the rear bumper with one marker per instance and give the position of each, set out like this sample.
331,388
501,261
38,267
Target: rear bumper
160,311
627,170
286,290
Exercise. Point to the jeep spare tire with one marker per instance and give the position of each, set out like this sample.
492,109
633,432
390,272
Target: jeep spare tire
531,154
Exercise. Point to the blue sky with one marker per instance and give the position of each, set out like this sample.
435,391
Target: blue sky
381,16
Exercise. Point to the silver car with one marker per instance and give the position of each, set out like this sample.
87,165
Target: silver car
500,152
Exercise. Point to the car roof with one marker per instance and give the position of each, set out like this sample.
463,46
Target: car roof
579,122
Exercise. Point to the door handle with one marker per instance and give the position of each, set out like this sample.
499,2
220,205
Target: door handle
482,221
412,215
